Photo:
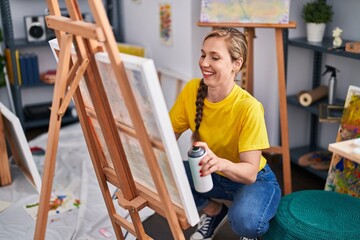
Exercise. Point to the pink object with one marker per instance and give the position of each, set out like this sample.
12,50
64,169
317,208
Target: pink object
105,233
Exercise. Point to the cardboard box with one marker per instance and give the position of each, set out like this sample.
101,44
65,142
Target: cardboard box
353,47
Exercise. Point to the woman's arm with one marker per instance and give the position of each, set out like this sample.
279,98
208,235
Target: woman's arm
177,135
245,171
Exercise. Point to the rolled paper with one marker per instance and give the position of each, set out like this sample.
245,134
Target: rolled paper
306,98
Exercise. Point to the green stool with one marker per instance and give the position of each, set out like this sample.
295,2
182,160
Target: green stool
316,215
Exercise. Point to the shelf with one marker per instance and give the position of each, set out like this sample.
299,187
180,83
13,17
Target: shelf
326,46
36,85
23,43
38,123
38,115
313,108
296,153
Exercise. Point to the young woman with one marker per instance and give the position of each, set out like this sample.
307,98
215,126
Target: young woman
229,123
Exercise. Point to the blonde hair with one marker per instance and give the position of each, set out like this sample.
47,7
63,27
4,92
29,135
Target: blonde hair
237,46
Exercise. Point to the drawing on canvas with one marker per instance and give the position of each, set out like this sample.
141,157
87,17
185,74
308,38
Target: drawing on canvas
165,24
245,11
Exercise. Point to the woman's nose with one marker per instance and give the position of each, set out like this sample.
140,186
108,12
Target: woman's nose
204,62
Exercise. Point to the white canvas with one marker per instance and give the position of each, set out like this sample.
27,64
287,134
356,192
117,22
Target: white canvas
26,160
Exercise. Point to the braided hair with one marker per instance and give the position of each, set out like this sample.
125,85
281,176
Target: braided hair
201,94
237,46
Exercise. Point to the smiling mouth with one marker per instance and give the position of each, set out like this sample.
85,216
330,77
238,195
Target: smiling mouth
207,74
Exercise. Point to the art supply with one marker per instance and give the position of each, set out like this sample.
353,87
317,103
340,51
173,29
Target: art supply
202,184
306,98
105,233
332,84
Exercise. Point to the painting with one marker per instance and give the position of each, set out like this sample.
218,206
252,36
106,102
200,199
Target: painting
245,11
344,174
149,98
20,148
165,24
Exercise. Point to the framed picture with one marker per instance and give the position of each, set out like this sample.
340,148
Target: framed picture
249,11
146,89
20,148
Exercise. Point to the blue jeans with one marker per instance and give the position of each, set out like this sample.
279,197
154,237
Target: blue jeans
252,205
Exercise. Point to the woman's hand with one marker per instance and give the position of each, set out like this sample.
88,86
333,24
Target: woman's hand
210,162
245,171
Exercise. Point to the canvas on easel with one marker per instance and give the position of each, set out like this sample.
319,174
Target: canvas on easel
125,123
145,84
250,11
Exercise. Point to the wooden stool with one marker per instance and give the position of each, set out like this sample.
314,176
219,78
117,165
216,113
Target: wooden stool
316,215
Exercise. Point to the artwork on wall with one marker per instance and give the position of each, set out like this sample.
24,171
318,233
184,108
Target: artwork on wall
245,11
146,89
165,24
344,174
20,148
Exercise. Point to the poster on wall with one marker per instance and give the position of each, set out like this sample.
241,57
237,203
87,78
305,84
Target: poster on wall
165,24
245,11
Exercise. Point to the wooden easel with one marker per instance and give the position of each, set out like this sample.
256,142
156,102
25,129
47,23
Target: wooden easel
89,38
249,86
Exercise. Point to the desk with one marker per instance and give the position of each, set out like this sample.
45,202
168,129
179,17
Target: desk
346,149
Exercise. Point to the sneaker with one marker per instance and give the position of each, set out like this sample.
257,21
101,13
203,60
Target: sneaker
209,226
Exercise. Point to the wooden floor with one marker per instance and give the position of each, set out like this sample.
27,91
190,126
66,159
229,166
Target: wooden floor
157,227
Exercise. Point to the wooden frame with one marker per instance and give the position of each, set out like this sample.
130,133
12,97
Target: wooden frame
106,131
19,147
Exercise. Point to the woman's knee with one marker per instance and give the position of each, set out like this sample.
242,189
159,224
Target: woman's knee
247,223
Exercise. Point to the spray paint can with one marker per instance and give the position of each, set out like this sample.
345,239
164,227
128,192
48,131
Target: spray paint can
332,84
202,184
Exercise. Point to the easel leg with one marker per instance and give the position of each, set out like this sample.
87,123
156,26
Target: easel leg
53,136
283,111
5,174
248,84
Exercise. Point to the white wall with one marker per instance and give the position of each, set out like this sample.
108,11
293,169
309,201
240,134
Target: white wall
141,26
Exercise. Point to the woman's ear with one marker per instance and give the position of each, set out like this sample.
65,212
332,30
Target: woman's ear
237,64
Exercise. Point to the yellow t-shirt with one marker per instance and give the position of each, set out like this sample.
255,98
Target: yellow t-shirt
233,125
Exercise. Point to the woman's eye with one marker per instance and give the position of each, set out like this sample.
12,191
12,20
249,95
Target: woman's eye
202,55
215,58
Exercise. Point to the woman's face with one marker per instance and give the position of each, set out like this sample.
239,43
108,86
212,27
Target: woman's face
216,64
